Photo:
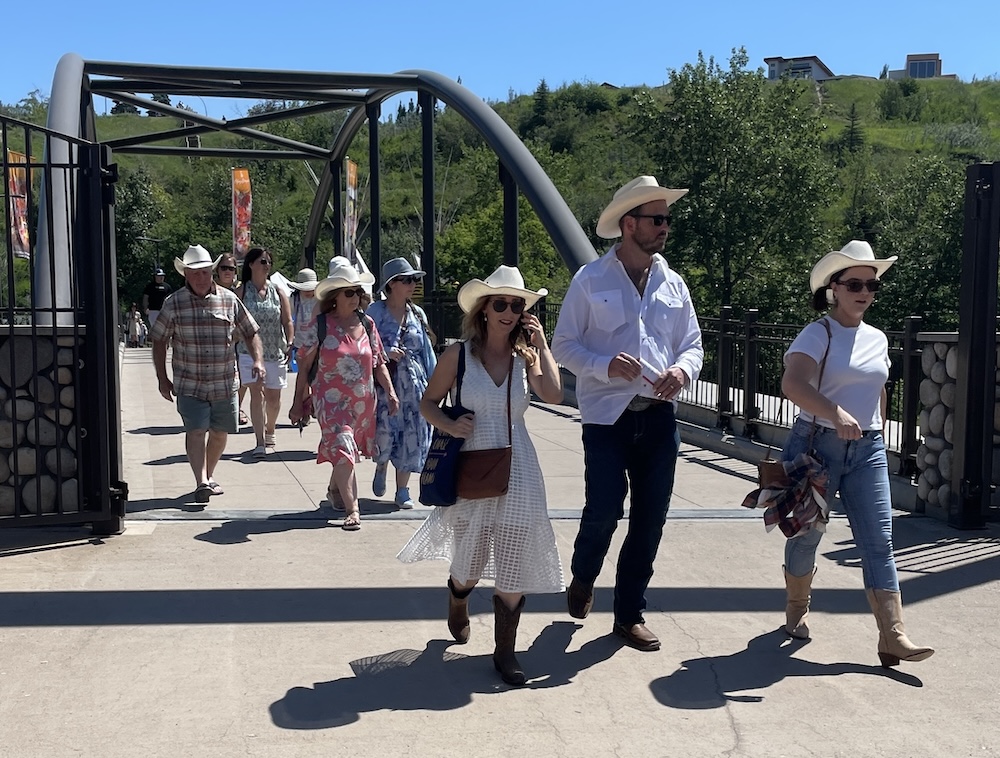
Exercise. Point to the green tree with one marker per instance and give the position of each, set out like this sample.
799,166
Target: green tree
121,108
136,214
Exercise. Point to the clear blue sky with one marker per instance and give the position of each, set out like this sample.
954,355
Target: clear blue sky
494,47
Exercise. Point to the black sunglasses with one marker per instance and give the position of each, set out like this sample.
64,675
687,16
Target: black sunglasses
407,279
501,305
352,293
658,220
263,261
228,268
856,285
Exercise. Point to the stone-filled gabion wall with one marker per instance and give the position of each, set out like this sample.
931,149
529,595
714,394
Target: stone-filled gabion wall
939,361
38,426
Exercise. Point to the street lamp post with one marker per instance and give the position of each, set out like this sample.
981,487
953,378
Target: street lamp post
156,248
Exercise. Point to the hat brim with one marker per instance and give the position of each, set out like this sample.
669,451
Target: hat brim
474,289
607,224
836,261
179,265
412,272
332,283
303,286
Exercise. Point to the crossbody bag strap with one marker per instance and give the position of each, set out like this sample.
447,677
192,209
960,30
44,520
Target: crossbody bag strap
822,368
459,374
510,377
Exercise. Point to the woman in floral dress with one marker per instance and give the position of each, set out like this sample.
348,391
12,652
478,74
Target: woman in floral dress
351,360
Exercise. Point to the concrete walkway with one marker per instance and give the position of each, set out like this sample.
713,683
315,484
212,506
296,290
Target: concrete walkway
256,627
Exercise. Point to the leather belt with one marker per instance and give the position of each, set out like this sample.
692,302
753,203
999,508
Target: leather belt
640,403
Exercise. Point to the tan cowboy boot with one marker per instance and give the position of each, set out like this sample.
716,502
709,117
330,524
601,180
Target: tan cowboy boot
798,590
893,644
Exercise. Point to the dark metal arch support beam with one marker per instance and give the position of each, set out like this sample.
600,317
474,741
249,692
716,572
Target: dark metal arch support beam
428,258
373,110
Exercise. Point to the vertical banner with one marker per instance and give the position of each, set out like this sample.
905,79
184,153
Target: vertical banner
17,202
242,212
351,211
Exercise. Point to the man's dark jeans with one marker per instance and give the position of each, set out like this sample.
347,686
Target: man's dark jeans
644,446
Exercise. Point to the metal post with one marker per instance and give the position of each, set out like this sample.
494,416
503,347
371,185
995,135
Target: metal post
428,259
911,397
750,410
725,369
976,382
375,264
510,248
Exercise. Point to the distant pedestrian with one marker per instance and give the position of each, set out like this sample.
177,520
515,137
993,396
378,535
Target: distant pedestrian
201,321
153,296
133,326
628,331
225,274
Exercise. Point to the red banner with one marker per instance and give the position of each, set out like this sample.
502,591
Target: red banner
17,202
351,210
242,212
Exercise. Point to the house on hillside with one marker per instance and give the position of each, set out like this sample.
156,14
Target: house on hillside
808,67
921,66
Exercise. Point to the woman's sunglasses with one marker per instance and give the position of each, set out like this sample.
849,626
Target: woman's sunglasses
501,305
856,285
264,261
228,268
407,279
352,293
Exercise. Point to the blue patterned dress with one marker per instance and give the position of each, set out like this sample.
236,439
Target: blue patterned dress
405,438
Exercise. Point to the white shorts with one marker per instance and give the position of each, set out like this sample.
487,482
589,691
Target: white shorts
276,377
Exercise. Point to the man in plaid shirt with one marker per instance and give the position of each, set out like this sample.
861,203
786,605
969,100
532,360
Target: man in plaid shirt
202,321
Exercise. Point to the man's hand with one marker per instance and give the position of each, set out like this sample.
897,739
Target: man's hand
672,381
166,389
257,371
625,366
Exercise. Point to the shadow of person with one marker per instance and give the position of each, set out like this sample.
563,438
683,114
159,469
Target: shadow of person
548,663
238,531
703,683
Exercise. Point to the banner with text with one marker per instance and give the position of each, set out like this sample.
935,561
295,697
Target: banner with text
242,212
17,202
351,211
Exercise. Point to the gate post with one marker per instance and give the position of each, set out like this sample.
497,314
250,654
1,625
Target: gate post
911,397
725,368
750,410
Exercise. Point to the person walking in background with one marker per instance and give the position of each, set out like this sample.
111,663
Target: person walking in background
225,275
405,437
627,329
202,320
347,346
133,326
154,295
509,538
303,301
848,410
272,312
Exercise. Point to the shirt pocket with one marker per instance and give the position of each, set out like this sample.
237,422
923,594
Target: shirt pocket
607,311
664,313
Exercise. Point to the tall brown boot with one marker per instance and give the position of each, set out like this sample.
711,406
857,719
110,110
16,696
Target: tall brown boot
893,644
798,590
458,612
506,621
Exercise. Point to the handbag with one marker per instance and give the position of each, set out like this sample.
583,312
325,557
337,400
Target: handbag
793,493
439,476
486,473
392,364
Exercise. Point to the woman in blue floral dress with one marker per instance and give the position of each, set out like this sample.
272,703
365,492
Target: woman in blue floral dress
402,439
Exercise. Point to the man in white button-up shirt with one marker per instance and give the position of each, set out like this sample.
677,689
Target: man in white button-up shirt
628,331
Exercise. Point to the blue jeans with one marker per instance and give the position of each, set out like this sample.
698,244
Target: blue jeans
859,470
642,445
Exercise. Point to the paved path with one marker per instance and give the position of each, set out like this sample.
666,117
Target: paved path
255,628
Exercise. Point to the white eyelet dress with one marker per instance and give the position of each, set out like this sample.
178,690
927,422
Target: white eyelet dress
507,539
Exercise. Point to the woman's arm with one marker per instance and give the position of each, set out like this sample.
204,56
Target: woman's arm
799,370
305,358
385,382
440,383
543,376
286,318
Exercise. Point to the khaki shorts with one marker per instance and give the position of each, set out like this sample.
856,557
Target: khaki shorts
275,379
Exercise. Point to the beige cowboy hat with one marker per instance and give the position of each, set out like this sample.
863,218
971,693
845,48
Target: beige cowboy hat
195,257
506,280
305,280
854,253
342,274
641,190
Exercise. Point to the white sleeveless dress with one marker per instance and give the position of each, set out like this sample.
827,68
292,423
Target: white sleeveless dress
507,539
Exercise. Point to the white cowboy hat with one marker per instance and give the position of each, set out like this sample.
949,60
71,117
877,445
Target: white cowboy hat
854,253
506,280
639,191
342,274
195,257
305,280
397,267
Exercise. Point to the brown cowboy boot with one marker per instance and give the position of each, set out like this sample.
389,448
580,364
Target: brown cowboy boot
893,644
505,631
458,612
798,589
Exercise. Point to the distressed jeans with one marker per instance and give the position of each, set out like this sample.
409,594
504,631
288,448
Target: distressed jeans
639,451
859,470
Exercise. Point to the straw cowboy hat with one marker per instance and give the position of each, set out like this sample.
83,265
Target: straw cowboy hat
305,280
854,253
397,267
195,257
342,274
506,280
639,191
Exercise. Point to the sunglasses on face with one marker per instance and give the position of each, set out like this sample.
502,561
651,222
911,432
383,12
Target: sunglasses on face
264,261
352,293
501,305
856,285
658,220
228,268
407,279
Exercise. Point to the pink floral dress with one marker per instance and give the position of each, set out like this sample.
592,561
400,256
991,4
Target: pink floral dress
344,391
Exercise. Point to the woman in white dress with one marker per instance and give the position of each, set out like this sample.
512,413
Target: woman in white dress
506,539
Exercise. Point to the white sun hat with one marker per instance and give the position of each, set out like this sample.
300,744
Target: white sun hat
854,253
195,257
506,280
639,191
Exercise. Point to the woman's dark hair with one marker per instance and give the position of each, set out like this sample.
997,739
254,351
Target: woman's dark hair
819,301
255,252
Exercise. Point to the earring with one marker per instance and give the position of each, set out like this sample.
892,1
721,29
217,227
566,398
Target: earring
830,299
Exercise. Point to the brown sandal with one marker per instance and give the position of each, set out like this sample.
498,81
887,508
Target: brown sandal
352,522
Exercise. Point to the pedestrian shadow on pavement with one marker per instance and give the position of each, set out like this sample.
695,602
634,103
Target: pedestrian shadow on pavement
156,431
239,531
433,679
704,683
185,503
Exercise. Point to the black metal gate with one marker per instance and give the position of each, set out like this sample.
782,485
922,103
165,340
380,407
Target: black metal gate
60,420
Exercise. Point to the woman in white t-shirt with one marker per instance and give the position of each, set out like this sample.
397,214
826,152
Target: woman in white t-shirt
849,409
